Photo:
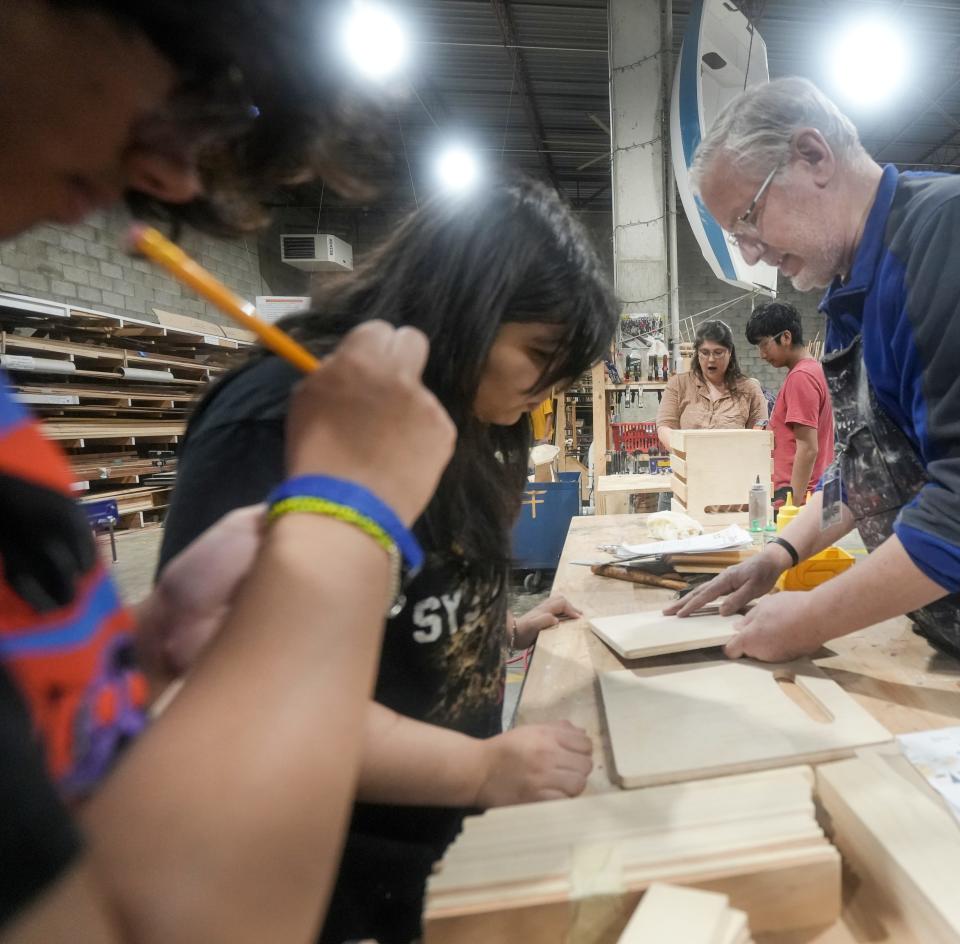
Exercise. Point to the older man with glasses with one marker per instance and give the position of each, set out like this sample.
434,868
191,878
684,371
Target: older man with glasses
783,171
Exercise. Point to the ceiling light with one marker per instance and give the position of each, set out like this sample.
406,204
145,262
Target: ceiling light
375,41
458,169
869,61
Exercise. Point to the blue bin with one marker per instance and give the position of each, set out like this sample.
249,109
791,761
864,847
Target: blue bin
544,520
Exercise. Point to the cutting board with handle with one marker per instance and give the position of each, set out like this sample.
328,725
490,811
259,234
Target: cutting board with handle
642,635
688,722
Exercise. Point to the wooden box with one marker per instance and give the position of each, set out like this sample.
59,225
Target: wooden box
714,469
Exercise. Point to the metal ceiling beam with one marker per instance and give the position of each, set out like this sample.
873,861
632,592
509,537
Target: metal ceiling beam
588,50
508,33
943,147
583,204
928,105
926,102
942,154
435,105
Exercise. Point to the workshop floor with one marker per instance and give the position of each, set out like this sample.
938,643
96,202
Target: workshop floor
137,553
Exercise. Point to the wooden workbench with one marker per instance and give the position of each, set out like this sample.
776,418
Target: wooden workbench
895,674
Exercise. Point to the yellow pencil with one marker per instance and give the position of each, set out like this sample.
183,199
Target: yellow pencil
154,245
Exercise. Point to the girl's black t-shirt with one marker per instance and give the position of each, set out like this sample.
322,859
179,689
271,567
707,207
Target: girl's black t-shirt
442,657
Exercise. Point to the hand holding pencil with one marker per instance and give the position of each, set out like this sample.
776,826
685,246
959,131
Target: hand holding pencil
155,246
365,416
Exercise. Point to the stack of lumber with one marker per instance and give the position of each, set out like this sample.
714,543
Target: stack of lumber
899,840
714,562
127,467
74,399
112,390
138,507
79,430
670,915
575,869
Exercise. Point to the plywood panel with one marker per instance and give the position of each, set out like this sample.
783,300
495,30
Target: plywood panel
642,635
685,722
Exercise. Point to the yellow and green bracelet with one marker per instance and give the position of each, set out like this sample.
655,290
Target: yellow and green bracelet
331,509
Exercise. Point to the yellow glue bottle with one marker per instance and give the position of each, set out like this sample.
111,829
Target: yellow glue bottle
787,512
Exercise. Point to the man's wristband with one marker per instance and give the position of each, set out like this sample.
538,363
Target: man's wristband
789,548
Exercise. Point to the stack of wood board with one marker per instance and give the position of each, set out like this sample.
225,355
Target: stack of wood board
713,562
118,466
80,430
138,507
682,722
668,914
574,869
899,840
106,385
714,469
647,634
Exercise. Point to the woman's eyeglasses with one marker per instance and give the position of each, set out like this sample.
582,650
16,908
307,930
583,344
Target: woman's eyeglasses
716,354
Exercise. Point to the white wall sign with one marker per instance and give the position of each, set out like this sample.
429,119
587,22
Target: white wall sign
273,307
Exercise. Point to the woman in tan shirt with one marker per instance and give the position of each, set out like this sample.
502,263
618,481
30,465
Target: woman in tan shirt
713,394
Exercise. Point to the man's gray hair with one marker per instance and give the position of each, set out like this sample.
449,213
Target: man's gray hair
754,130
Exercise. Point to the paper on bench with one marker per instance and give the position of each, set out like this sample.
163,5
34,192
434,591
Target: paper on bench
726,540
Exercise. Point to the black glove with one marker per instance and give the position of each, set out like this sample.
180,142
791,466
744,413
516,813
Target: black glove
46,543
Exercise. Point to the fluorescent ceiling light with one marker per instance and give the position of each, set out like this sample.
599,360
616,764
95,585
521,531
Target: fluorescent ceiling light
375,41
869,61
457,168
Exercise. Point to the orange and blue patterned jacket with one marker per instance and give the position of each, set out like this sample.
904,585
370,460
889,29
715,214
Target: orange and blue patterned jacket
65,636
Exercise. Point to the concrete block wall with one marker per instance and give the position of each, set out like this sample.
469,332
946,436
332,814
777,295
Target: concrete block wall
700,289
364,229
85,265
361,228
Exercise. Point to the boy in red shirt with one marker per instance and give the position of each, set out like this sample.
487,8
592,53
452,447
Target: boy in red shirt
802,418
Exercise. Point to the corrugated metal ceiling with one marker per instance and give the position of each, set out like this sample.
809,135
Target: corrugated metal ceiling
466,83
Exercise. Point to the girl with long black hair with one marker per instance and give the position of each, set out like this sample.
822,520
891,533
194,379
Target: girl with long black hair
513,300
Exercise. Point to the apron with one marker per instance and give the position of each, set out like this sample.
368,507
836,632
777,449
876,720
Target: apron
881,473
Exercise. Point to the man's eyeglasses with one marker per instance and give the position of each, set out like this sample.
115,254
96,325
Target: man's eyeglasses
745,227
766,342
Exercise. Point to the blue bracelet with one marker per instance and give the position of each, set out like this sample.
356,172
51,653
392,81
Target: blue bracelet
362,500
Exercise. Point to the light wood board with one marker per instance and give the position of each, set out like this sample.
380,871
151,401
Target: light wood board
642,635
669,914
718,468
535,872
687,722
900,840
888,669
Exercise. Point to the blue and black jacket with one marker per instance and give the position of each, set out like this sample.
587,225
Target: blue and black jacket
903,297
